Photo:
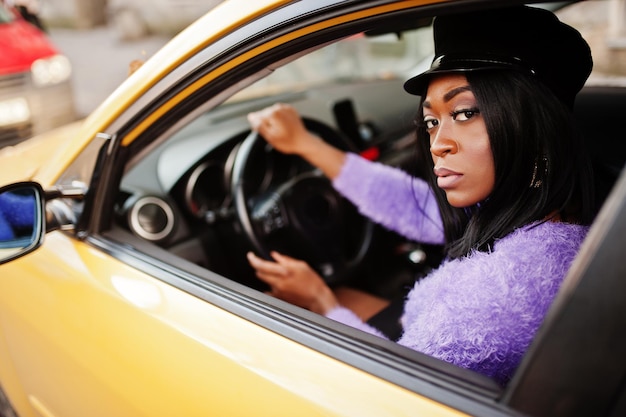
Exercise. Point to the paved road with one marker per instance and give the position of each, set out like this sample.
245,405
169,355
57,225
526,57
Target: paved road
100,61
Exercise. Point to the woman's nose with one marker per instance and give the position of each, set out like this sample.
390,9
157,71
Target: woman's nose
442,143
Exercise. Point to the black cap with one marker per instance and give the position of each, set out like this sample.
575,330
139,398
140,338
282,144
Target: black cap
520,38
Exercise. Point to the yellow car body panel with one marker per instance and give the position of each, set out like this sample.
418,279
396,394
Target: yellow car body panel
111,355
51,150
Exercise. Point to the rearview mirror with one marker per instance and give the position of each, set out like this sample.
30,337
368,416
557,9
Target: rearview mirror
22,222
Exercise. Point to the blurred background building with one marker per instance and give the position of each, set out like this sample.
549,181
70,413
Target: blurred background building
131,18
103,38
603,24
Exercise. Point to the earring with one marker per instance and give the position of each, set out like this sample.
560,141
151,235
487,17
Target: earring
536,181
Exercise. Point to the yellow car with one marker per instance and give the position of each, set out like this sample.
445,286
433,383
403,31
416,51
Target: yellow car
125,290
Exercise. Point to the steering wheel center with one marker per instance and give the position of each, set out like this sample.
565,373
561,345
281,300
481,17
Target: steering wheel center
304,217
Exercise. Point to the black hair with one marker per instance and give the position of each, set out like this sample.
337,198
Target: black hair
541,168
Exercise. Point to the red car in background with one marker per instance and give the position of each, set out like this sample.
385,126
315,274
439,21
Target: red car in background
35,90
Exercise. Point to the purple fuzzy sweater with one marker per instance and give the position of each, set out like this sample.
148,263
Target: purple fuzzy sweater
479,312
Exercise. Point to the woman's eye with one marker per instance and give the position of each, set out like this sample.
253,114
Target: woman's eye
466,114
430,123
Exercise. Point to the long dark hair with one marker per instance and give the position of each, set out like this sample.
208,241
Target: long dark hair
541,167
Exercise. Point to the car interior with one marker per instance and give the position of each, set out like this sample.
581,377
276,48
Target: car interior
214,191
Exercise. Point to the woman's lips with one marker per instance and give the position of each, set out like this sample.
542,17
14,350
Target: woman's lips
446,178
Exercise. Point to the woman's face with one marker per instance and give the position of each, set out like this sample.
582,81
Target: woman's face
459,143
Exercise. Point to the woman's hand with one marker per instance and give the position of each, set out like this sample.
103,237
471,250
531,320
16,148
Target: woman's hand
281,126
294,281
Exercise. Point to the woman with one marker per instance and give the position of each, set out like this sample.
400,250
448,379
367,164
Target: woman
508,188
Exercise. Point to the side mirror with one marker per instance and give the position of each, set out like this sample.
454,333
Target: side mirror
22,219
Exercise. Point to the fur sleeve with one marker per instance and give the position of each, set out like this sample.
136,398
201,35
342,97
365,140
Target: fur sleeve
392,198
346,316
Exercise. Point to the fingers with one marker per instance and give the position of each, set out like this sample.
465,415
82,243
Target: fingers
278,273
262,118
268,271
284,259
294,281
264,265
255,119
277,119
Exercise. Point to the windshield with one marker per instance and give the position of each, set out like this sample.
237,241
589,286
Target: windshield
356,58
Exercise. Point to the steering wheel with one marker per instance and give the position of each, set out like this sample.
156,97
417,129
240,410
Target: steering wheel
304,216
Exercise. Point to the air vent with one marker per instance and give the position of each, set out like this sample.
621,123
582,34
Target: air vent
151,218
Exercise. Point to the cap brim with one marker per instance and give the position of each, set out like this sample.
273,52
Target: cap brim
449,65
